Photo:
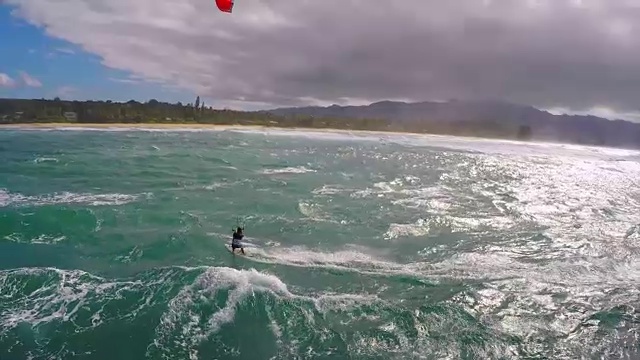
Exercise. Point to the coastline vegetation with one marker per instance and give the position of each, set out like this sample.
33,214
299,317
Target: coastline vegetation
42,111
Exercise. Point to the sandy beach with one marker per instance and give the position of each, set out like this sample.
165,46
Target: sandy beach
210,127
129,126
261,128
217,127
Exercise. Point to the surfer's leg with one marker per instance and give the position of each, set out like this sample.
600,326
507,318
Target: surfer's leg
242,249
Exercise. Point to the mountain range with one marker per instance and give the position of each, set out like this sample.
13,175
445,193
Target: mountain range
440,117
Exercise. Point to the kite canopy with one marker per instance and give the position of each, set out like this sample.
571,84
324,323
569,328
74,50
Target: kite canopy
225,5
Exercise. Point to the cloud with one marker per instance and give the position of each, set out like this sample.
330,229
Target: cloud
125,81
567,54
6,81
65,51
65,91
599,111
29,80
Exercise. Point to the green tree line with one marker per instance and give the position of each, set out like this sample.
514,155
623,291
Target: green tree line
25,111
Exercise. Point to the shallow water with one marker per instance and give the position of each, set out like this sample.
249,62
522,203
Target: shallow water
112,246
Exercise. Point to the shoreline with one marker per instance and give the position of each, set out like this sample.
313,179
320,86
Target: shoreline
220,127
125,125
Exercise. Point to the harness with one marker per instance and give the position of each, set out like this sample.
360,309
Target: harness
236,238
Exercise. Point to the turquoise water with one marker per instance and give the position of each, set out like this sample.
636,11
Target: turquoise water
360,246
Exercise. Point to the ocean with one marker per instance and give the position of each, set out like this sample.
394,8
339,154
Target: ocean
114,245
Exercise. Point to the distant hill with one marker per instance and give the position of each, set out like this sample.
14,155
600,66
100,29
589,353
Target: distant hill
421,111
462,118
476,115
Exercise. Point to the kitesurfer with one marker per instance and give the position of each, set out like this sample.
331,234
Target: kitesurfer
235,242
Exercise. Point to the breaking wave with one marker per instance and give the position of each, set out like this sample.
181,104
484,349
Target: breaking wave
288,170
14,199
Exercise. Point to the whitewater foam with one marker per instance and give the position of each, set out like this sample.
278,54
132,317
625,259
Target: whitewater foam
42,239
185,323
314,211
45,159
288,170
16,199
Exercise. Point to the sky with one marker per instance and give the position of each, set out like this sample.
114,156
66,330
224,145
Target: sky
565,56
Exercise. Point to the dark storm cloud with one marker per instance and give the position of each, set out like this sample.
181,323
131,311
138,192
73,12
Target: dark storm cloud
549,53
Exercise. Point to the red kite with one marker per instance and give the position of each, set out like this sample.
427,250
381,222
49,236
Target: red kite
225,5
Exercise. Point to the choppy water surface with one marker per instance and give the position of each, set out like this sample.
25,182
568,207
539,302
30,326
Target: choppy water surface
112,246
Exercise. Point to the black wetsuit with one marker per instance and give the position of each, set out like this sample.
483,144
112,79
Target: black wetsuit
235,243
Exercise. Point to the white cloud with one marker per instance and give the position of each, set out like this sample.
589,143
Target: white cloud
125,81
66,51
547,53
600,111
6,81
29,80
65,92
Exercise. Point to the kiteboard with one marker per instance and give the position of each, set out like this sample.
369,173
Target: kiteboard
238,251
